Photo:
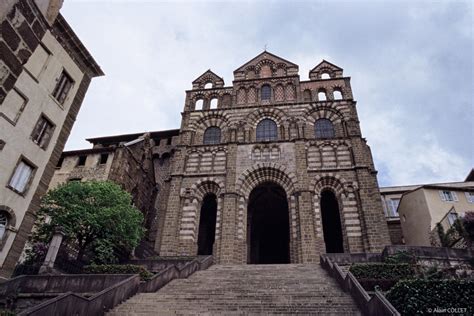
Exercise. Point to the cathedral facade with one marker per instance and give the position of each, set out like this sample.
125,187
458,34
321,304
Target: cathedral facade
271,169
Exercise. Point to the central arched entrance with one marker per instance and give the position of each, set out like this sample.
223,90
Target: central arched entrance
268,229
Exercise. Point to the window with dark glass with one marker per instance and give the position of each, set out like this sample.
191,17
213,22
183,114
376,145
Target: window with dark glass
324,129
60,162
62,88
82,160
212,135
103,158
42,132
266,92
267,130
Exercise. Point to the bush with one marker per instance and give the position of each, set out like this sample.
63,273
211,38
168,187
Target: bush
401,257
145,275
385,271
421,296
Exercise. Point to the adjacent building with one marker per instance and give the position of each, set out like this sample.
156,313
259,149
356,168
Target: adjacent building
139,163
413,211
45,71
421,209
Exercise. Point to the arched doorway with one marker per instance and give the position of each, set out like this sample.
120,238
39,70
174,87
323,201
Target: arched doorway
207,225
268,229
331,219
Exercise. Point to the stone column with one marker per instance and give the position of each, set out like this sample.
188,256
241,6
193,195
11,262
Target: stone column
304,207
48,264
308,238
228,227
229,234
170,233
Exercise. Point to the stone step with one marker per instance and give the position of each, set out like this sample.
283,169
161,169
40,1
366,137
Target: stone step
246,289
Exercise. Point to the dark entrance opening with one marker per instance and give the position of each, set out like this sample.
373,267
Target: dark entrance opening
207,225
331,222
268,229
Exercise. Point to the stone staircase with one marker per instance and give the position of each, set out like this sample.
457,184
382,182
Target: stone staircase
246,289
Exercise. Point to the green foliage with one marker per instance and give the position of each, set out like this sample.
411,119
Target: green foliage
421,296
451,236
468,224
119,269
401,257
6,312
97,216
432,273
36,254
385,271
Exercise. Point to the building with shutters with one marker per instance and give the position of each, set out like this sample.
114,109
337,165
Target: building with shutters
421,209
44,74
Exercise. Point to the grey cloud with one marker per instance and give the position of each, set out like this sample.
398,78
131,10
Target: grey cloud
410,63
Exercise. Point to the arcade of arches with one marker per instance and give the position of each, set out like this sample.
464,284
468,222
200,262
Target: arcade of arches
268,224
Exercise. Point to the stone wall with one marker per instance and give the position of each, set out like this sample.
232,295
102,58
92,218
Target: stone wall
21,32
395,231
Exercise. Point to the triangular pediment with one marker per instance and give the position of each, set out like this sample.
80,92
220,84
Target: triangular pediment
325,67
266,58
208,77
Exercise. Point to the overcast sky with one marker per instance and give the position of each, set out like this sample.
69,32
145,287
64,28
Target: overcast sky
411,65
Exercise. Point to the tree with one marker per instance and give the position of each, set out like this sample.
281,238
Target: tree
96,216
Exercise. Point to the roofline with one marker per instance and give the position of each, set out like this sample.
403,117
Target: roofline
422,184
469,189
471,174
73,40
265,51
437,187
208,71
324,60
87,151
154,134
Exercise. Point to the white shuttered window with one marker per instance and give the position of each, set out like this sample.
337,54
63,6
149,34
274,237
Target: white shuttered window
21,176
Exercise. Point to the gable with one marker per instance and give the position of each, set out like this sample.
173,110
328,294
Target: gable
325,67
208,77
264,65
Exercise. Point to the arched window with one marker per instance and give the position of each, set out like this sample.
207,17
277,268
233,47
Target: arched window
323,128
267,130
3,224
322,95
325,75
199,104
337,94
213,104
208,85
266,93
212,135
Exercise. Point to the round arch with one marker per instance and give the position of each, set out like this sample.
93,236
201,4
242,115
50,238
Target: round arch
265,172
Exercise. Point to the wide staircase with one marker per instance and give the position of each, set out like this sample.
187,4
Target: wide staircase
246,289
